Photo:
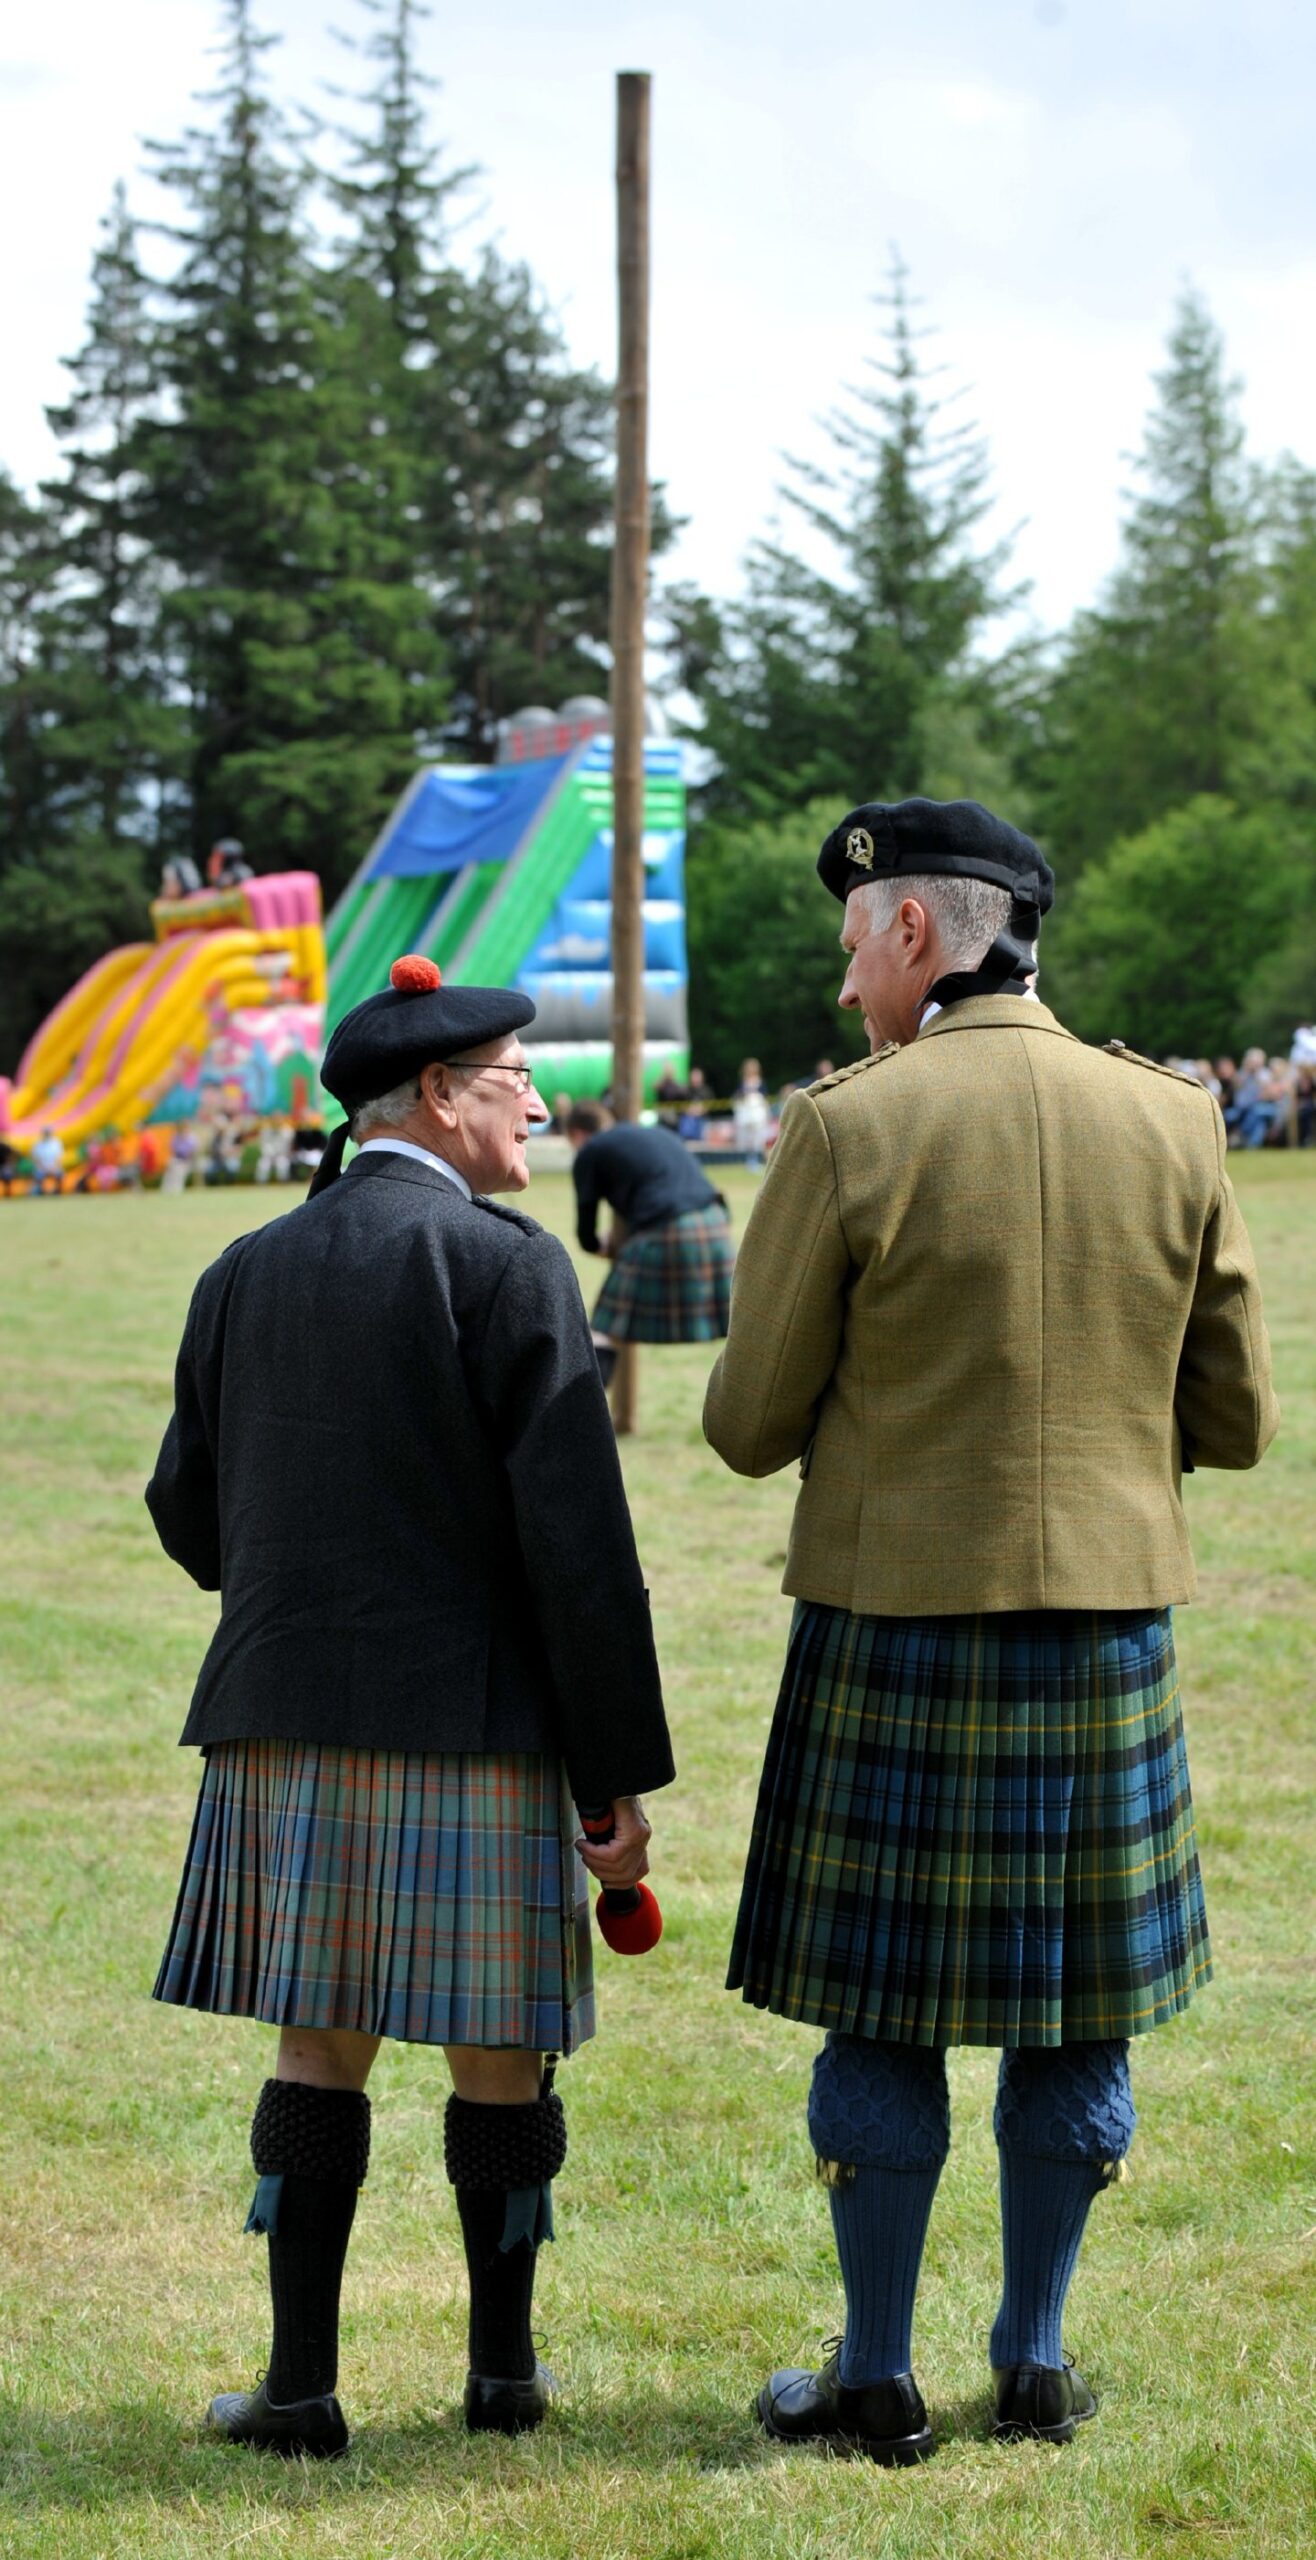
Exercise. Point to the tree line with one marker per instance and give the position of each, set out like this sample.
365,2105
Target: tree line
333,498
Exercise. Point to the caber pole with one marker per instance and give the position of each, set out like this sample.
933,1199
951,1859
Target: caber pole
630,575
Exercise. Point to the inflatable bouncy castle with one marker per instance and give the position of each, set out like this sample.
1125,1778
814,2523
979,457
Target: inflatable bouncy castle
499,873
224,1010
502,874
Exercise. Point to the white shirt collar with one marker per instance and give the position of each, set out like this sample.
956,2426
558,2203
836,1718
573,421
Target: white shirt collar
423,1155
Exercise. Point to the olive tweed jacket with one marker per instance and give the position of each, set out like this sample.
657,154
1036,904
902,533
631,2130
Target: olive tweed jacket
995,1291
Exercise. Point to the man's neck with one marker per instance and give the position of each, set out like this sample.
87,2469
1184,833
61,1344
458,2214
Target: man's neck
399,1142
420,1131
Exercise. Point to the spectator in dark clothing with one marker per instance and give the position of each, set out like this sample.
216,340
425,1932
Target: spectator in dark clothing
690,1118
227,865
668,1094
672,1255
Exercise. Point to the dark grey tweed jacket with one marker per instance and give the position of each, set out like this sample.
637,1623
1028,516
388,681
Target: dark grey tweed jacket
391,1455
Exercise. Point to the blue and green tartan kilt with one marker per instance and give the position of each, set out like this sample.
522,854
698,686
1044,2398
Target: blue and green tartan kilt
432,1896
975,1830
671,1283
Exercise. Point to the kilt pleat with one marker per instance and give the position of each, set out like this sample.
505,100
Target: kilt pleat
975,1831
431,1896
671,1283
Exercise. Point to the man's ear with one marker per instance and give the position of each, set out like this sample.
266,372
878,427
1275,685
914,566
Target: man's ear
436,1090
916,924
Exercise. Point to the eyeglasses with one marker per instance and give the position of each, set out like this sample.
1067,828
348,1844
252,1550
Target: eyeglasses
525,1076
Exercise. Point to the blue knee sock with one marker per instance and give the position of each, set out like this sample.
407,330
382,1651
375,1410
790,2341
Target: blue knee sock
879,2121
1064,2120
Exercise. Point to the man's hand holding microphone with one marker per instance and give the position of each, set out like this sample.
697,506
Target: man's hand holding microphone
614,1846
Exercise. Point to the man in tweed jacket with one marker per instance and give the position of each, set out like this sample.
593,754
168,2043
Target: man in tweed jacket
995,1296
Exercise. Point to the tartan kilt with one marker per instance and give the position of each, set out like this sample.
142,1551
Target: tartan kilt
671,1283
432,1896
975,1830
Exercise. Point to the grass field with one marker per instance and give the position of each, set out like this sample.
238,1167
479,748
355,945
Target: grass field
694,2247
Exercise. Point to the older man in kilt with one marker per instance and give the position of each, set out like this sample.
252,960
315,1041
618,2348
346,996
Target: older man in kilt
672,1254
994,1294
392,1456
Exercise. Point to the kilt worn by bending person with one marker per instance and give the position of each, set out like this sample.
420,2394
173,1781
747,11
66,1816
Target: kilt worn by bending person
673,1256
391,1455
994,1294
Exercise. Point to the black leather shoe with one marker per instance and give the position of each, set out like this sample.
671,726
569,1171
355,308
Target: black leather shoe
495,2406
885,2420
314,2427
1042,2400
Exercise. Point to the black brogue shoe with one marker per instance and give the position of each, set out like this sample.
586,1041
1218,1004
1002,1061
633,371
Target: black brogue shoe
316,2428
493,2405
884,2420
1048,2402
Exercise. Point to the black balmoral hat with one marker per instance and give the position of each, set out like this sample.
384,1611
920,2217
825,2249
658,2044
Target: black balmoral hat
414,1022
886,839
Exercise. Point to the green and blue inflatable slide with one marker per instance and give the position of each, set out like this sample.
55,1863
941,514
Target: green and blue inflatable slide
502,874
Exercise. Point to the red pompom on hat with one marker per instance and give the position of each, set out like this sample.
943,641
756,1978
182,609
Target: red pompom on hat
413,975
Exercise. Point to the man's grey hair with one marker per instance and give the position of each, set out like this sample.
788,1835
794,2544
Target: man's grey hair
384,1110
968,914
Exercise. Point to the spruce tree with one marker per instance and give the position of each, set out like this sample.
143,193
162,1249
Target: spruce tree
1157,694
117,736
308,654
516,505
27,573
395,190
509,446
848,668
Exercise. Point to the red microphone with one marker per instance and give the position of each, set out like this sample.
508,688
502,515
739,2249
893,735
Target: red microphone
629,1919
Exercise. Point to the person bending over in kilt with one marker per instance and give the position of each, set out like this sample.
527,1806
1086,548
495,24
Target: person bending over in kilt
993,1295
673,1258
392,1456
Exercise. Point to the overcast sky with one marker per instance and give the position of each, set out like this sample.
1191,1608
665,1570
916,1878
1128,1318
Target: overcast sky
1051,170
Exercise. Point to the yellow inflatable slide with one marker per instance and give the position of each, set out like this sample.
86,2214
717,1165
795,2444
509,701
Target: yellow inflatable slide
143,1015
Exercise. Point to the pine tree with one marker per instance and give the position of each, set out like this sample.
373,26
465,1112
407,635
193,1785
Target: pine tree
1157,697
116,736
308,653
1281,764
516,505
849,667
26,583
395,191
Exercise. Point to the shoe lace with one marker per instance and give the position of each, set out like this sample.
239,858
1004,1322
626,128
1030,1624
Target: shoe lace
830,2347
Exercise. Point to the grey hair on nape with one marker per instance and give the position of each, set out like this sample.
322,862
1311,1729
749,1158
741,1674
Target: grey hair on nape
384,1110
968,914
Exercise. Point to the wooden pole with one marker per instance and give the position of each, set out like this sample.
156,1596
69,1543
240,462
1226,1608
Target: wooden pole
630,575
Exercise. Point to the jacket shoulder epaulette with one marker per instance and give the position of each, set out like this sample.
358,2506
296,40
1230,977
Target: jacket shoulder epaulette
857,1067
1135,1058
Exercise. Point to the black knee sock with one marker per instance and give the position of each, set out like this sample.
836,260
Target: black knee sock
501,2160
310,2147
307,2253
502,2283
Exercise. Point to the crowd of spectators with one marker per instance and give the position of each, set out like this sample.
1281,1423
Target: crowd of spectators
210,1152
743,1123
1266,1102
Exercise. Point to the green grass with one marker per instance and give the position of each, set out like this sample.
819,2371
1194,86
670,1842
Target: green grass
694,2248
